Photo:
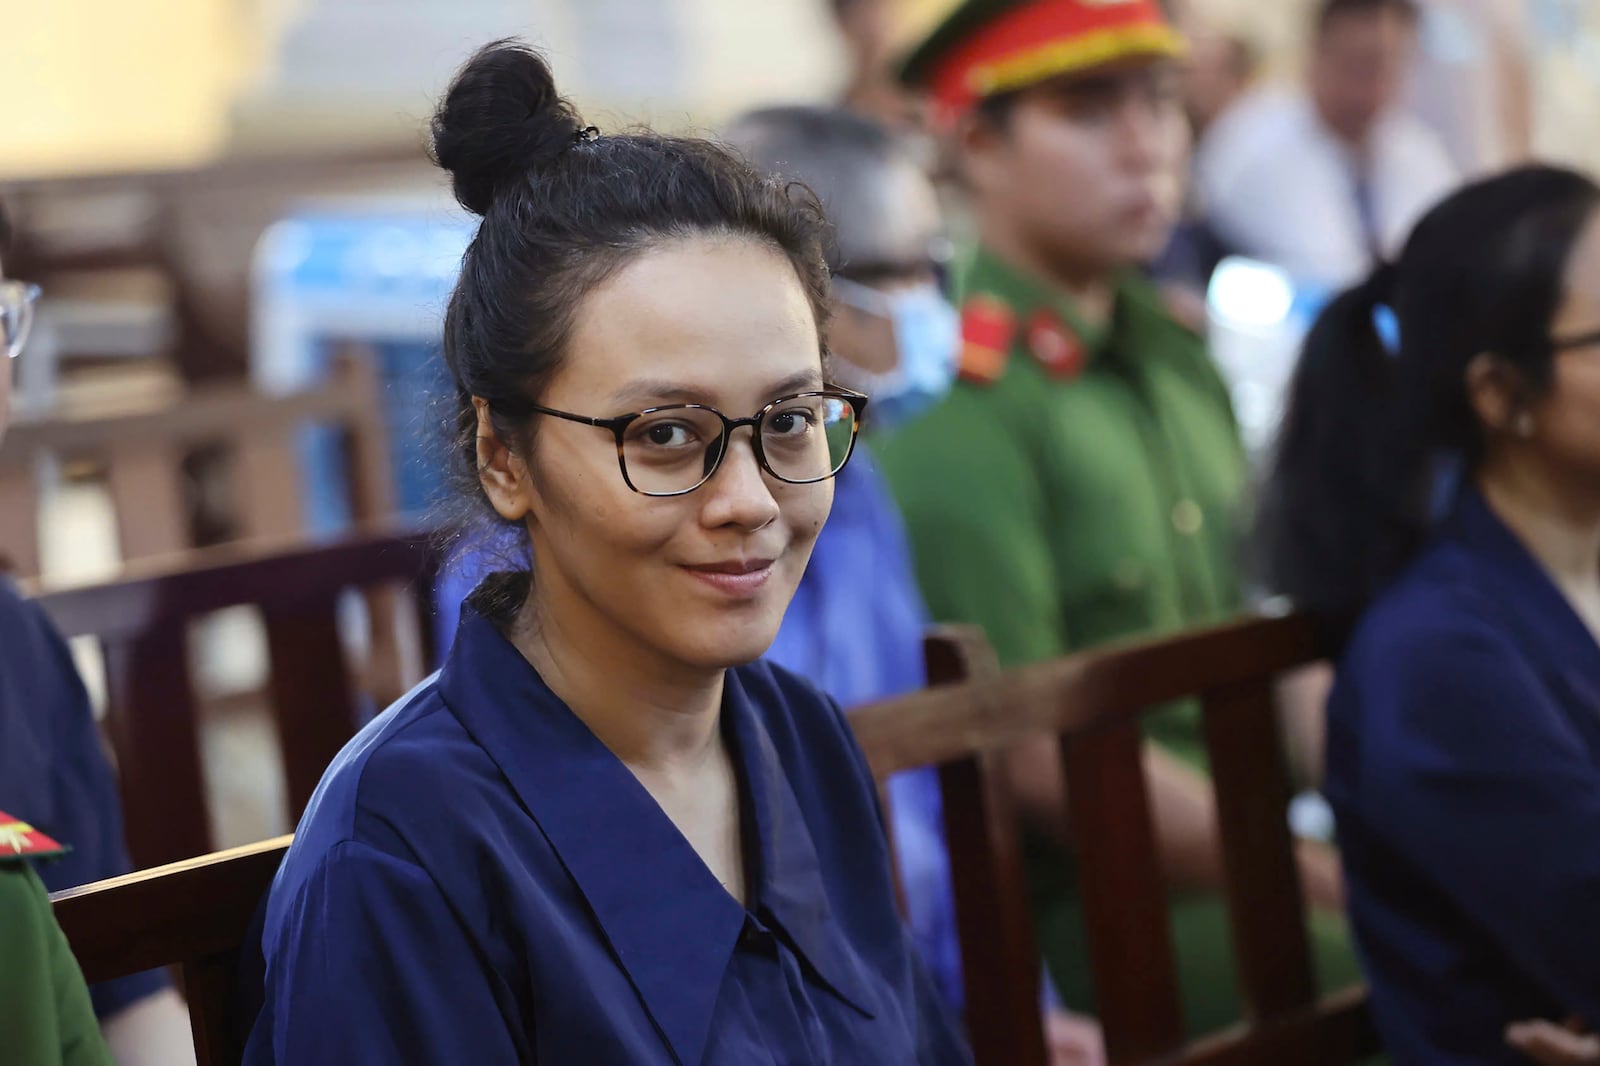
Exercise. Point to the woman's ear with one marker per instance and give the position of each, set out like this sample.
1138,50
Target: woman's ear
503,473
1499,395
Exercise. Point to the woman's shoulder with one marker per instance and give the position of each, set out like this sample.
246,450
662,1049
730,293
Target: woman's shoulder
389,780
1438,611
25,630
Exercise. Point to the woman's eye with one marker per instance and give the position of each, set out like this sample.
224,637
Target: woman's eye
668,435
791,421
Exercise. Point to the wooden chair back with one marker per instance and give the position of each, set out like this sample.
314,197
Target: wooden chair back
142,452
141,624
1094,703
193,915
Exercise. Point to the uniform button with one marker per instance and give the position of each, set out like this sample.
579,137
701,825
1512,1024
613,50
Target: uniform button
1187,518
1128,575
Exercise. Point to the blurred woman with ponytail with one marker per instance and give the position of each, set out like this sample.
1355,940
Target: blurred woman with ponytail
1438,482
603,833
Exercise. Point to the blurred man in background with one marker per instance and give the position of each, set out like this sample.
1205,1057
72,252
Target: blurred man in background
1326,183
54,775
1080,482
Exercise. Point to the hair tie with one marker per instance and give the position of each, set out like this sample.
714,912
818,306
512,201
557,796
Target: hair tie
587,135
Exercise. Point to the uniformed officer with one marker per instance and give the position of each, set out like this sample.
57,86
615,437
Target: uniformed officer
46,1018
1081,481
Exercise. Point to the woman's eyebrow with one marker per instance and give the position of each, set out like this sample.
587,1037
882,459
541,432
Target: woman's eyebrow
649,392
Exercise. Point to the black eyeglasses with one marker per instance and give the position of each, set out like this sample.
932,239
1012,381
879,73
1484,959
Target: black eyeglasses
673,450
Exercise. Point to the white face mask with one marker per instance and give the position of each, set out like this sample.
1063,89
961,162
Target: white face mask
927,339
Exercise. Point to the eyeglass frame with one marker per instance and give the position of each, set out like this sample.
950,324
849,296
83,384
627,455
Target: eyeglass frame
619,425
1581,340
29,294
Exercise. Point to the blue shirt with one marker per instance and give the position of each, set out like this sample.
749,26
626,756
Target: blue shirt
54,774
854,629
479,879
1464,769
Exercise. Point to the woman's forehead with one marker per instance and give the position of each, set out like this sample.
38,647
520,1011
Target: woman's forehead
718,316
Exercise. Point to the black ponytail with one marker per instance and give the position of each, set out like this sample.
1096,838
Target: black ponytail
1378,410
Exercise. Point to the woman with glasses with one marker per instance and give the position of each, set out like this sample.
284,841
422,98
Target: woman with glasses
1439,474
597,835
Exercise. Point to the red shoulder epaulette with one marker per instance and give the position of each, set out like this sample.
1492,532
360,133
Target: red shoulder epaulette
987,328
19,840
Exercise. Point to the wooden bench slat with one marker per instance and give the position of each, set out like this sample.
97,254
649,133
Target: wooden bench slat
151,718
272,575
1265,903
312,695
999,954
168,914
1000,961
1336,1031
1083,691
1124,893
19,519
147,497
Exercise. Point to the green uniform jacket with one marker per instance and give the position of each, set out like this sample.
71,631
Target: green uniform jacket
1078,486
45,1015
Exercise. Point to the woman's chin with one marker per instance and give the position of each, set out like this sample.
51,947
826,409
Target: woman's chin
724,647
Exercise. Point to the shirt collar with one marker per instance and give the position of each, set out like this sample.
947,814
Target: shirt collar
788,889
1527,592
1026,295
675,930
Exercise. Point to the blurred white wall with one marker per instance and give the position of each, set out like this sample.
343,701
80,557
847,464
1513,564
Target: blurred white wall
126,84
107,84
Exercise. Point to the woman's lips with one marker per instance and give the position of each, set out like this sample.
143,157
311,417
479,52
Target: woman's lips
736,578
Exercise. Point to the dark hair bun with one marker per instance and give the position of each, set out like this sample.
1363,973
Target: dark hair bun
500,120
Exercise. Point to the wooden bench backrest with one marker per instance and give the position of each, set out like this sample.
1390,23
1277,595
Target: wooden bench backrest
141,623
195,229
1094,703
193,915
142,453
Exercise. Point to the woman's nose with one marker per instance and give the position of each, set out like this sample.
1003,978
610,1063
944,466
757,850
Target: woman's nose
738,493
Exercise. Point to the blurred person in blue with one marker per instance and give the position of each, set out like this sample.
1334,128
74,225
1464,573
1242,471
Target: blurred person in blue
897,339
1328,181
54,774
604,833
1438,476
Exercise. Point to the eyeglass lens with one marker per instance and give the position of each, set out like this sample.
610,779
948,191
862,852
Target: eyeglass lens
674,449
16,314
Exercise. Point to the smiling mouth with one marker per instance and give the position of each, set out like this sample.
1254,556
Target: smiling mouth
739,578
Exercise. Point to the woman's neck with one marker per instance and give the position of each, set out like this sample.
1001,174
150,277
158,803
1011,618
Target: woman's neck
1561,529
658,716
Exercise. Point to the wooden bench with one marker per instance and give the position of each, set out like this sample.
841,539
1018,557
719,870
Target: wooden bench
193,915
141,623
142,451
1094,703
